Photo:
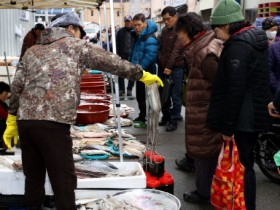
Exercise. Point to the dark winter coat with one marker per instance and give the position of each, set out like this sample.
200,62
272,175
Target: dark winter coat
274,64
240,92
124,42
201,142
170,50
29,40
145,49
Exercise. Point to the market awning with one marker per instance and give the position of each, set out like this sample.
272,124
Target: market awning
45,4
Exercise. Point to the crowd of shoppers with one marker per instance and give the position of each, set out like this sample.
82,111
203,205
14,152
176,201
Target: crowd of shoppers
44,98
232,71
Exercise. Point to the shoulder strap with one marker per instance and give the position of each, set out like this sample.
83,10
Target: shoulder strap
144,38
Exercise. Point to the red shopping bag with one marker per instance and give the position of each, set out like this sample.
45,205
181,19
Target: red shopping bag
227,190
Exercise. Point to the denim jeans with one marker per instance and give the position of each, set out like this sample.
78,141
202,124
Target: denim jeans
173,113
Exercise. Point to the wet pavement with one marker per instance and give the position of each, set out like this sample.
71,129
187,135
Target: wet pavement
171,145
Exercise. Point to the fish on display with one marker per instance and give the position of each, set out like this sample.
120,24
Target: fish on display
94,152
109,203
94,168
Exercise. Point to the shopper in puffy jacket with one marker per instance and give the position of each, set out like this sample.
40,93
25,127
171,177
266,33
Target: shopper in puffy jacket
274,63
271,28
144,53
240,92
202,50
44,97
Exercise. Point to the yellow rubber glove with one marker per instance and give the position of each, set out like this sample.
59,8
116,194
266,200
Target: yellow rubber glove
149,79
11,132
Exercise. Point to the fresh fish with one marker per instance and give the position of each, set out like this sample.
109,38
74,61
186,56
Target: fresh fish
112,203
94,152
77,157
99,147
97,127
123,133
135,144
81,207
132,151
124,122
94,168
154,98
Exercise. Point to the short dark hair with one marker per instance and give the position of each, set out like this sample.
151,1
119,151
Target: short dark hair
39,26
139,16
4,87
269,23
190,23
170,10
234,27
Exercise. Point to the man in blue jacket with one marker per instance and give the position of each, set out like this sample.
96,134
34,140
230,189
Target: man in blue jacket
144,53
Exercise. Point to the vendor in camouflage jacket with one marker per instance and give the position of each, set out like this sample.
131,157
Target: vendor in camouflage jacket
44,97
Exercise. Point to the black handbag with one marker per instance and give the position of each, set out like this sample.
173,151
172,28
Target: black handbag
165,92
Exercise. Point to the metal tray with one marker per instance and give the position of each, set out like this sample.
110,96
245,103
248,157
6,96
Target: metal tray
149,199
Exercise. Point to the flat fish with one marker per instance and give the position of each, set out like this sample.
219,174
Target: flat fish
96,166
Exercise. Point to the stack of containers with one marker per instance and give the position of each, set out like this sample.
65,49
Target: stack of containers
157,178
92,111
270,9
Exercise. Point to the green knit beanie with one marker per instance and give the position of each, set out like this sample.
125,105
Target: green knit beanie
225,12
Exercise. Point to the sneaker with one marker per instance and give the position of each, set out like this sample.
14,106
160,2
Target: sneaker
129,93
185,164
140,125
171,127
139,119
195,197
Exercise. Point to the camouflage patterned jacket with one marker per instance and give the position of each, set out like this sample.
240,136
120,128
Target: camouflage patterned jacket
46,85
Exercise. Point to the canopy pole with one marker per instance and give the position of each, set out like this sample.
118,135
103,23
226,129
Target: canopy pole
100,27
118,105
106,26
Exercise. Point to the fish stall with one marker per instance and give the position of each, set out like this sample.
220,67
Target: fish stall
100,143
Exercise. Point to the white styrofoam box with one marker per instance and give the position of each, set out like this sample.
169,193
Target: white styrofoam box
126,182
12,182
94,193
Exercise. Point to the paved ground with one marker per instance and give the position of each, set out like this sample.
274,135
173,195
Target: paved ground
171,146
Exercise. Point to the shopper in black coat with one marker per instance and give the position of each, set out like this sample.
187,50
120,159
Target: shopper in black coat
240,92
124,46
